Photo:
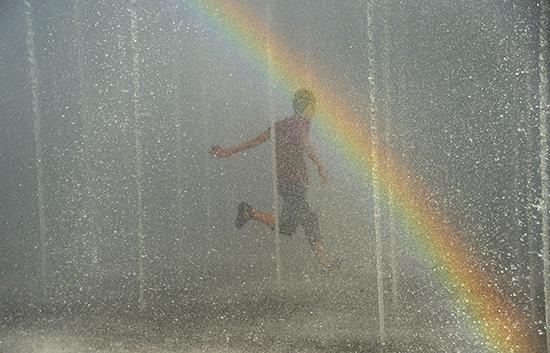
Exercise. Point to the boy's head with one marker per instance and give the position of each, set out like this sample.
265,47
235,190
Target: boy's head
304,103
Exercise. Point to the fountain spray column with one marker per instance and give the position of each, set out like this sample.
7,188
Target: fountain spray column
532,259
278,263
519,48
179,131
527,128
531,197
138,149
388,116
544,114
37,129
90,231
375,186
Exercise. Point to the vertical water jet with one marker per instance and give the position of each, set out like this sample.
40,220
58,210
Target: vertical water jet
375,187
178,124
90,231
544,114
388,95
136,100
34,74
528,129
275,193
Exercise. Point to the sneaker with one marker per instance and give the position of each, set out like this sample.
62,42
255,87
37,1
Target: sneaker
244,213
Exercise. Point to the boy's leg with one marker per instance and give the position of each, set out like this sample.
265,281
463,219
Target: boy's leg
311,228
321,253
288,222
245,212
310,223
291,216
266,218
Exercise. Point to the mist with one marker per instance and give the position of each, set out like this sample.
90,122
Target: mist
117,225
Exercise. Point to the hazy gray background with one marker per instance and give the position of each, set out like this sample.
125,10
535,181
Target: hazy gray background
460,76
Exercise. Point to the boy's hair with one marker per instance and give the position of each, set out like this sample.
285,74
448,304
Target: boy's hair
303,98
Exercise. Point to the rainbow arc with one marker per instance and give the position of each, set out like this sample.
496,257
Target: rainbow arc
492,313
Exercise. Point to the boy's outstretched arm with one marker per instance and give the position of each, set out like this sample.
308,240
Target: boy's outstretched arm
219,151
313,156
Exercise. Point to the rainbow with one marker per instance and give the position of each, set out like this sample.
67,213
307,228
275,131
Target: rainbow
492,313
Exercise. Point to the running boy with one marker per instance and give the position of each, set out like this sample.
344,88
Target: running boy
292,143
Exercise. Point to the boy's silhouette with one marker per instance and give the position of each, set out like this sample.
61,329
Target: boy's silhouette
291,146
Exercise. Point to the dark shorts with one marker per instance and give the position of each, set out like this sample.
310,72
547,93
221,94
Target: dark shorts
296,211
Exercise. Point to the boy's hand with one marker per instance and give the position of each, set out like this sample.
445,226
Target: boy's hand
219,151
323,173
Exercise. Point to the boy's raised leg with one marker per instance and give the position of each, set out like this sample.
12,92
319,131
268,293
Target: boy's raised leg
266,218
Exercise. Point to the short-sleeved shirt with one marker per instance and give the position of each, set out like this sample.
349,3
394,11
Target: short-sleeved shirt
290,138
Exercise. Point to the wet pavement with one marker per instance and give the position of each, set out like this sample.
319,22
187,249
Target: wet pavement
318,314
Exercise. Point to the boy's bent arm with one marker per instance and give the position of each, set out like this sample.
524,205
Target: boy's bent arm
313,156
